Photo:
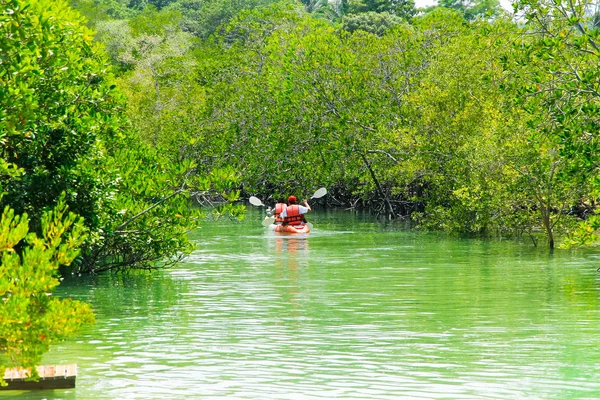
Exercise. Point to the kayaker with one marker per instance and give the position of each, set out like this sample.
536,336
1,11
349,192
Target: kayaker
294,213
276,211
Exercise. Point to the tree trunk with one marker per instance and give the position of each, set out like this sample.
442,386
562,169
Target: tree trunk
548,225
379,188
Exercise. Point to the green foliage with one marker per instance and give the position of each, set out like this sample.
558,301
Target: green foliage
64,131
150,208
96,11
450,137
377,23
456,145
154,184
472,9
56,102
144,4
30,319
291,102
203,18
326,10
463,122
585,234
198,17
404,9
154,22
556,77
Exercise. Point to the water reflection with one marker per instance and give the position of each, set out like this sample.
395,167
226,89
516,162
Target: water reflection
350,312
291,263
291,251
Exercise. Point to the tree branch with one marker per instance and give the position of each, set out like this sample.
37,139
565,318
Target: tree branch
383,152
179,191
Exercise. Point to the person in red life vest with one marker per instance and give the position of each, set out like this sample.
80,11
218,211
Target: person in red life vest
277,210
294,213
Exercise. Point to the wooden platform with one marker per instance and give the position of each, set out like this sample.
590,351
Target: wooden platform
51,377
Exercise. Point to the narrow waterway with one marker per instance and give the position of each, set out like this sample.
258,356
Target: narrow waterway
357,310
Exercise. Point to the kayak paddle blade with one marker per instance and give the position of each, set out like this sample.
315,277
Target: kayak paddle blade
319,193
255,201
310,225
267,221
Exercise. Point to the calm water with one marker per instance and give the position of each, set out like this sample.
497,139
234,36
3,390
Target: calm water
355,311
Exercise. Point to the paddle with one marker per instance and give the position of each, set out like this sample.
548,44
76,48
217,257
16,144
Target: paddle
319,193
267,221
255,201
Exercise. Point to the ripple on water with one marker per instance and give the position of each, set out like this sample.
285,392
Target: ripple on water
360,314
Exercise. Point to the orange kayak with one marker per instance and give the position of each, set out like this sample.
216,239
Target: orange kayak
291,228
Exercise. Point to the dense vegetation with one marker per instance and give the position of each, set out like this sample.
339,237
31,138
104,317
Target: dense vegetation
457,116
79,188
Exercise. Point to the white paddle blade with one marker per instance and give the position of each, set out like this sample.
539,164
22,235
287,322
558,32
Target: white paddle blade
310,225
267,221
255,201
319,193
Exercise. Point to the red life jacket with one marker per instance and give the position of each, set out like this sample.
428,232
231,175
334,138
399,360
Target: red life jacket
293,215
279,207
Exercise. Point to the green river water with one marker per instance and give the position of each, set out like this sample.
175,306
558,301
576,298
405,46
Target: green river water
357,310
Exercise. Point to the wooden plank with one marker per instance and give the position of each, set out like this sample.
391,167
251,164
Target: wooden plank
51,377
71,370
49,383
